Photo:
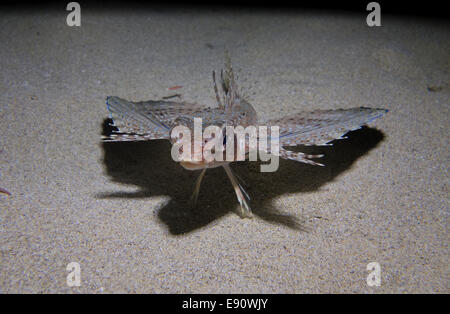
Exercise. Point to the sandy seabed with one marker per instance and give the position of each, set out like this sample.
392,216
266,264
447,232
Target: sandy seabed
121,210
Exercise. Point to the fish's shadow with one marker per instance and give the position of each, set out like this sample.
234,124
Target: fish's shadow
149,166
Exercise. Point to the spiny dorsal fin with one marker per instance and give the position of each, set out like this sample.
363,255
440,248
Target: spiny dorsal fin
229,84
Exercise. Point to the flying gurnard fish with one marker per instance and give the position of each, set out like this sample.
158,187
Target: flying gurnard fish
155,119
